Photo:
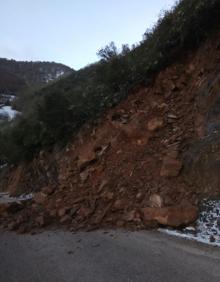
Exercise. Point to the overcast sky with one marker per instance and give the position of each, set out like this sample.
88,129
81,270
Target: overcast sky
71,31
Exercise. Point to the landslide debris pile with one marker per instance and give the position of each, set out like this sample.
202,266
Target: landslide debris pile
128,169
131,168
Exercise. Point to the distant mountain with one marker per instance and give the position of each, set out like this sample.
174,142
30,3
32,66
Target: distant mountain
16,75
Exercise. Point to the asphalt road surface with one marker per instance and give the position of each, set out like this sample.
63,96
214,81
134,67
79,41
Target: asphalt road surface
116,256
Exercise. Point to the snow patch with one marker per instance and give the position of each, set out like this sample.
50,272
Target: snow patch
50,77
8,112
6,198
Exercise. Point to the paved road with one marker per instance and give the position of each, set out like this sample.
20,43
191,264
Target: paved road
105,257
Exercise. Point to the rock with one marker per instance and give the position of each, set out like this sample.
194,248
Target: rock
120,205
171,167
40,198
133,216
134,130
155,124
172,116
84,176
65,219
102,185
103,150
83,212
156,201
61,212
191,68
162,106
139,196
40,221
109,196
16,179
48,190
86,158
175,216
212,239
74,210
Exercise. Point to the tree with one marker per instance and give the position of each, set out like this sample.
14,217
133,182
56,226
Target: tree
125,49
108,52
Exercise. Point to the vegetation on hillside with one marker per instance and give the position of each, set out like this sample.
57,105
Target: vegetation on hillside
17,75
59,110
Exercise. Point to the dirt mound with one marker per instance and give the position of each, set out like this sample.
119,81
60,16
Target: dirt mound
132,160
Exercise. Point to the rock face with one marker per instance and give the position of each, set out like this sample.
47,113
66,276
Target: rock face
175,216
202,159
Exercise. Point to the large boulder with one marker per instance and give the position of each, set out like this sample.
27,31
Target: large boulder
175,216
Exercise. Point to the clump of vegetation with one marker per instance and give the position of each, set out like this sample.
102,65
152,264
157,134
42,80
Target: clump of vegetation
61,109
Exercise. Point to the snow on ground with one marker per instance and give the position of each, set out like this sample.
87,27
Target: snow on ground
8,112
59,73
7,97
5,198
50,77
207,227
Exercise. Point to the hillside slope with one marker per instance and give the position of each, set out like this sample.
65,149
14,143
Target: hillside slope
138,160
15,75
139,152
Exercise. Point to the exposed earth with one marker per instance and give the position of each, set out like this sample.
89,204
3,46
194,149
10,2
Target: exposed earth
149,162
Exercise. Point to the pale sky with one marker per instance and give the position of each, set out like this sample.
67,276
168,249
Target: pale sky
71,31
